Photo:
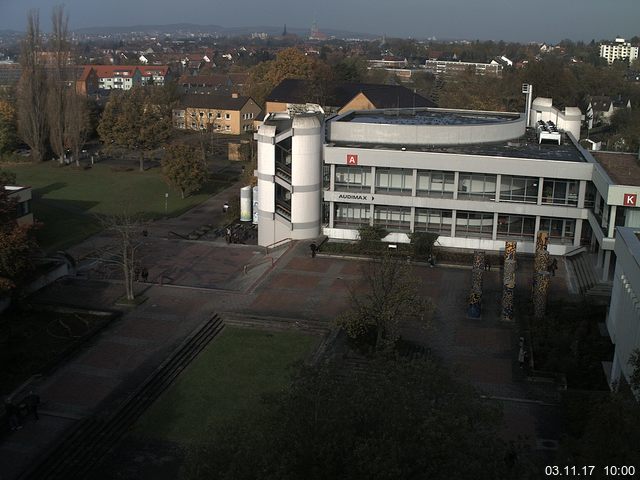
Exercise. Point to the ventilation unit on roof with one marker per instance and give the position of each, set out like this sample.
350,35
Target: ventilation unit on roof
548,131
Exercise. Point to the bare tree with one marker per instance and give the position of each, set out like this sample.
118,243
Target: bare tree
32,92
390,297
57,96
76,123
124,251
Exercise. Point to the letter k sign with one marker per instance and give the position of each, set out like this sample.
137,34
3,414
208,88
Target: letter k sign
630,199
352,159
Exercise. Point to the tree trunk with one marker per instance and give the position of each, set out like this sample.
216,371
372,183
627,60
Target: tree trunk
142,161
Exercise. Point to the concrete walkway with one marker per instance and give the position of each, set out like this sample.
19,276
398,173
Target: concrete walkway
203,278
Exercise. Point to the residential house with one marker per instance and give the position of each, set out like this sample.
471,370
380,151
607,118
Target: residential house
231,114
122,77
294,94
600,109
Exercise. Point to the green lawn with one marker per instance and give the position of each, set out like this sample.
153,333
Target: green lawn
226,381
66,199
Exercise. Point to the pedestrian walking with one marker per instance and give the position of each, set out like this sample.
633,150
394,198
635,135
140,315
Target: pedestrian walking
314,249
553,266
32,401
225,207
13,415
144,273
487,265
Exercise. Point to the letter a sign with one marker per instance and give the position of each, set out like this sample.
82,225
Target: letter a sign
630,199
352,159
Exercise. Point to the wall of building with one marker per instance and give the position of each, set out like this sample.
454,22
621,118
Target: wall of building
623,320
395,134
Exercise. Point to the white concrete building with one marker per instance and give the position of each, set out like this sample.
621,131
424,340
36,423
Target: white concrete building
623,321
618,50
475,178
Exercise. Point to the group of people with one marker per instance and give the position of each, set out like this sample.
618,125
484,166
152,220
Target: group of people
16,413
140,271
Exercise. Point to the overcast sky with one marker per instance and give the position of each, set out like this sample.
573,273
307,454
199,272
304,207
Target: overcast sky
510,20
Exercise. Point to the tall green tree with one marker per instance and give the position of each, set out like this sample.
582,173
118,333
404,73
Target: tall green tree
32,91
184,168
57,81
136,119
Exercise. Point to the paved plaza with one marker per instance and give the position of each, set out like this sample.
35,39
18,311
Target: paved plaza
190,281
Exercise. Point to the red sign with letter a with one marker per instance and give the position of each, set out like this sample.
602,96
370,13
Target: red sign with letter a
630,199
352,159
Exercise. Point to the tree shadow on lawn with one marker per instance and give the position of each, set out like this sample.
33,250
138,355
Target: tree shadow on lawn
52,187
81,207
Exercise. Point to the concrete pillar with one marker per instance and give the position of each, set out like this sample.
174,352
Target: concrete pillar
577,235
456,181
498,185
373,182
612,221
332,179
454,214
372,210
540,189
414,184
494,233
582,192
596,205
332,213
412,221
606,266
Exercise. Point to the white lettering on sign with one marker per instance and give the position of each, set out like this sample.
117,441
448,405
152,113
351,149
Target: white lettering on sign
630,199
352,159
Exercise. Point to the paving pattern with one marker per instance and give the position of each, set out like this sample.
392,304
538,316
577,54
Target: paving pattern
190,281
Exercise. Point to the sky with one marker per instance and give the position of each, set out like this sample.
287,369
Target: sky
509,20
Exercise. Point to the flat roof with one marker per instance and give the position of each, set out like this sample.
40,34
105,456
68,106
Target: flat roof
623,168
428,117
525,146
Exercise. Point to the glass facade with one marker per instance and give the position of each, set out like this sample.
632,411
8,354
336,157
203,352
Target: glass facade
353,179
560,192
431,220
394,219
351,215
474,224
395,181
516,227
433,183
519,189
477,186
561,230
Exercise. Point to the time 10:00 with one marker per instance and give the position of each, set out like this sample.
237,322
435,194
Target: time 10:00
609,470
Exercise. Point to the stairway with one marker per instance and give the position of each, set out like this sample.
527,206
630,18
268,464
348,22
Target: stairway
92,438
589,284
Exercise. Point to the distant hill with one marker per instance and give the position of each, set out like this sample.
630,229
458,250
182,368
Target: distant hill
190,28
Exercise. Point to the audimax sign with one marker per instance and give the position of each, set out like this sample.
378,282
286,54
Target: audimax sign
355,196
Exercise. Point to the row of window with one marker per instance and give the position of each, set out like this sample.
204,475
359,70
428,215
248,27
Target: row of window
473,186
467,224
227,116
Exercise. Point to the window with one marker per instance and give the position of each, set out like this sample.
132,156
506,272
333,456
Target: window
227,116
227,128
561,230
519,189
353,178
474,224
218,115
516,226
433,183
560,192
354,215
477,186
432,220
392,218
23,208
394,180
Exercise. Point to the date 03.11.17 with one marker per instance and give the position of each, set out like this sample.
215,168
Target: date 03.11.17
589,470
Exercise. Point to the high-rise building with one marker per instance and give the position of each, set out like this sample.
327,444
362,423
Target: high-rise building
619,50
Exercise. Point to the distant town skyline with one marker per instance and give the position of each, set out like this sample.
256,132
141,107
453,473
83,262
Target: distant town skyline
509,20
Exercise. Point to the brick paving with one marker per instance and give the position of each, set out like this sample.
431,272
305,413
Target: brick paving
212,280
